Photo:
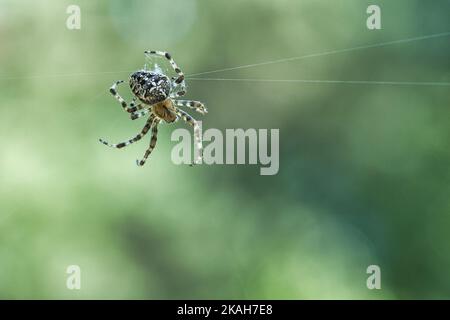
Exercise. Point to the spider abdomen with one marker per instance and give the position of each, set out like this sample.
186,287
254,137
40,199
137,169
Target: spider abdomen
150,87
165,110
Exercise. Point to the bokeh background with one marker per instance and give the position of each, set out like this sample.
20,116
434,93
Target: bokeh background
364,169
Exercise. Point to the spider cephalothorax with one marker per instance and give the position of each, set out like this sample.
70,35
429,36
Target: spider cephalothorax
157,93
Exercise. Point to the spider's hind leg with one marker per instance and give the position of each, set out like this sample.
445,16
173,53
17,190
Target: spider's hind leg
197,134
152,145
136,138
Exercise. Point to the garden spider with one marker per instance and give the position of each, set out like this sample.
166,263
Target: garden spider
157,94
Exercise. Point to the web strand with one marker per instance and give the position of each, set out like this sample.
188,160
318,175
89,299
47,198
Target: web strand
326,53
355,82
320,54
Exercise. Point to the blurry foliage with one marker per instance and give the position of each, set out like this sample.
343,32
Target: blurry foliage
364,172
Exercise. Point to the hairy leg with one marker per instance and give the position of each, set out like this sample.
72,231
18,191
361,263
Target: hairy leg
196,105
180,85
130,109
152,145
138,137
197,134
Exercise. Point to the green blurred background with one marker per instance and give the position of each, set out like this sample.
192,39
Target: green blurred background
364,169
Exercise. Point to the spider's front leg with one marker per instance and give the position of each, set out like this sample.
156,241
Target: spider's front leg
196,105
197,134
178,90
130,109
180,84
152,143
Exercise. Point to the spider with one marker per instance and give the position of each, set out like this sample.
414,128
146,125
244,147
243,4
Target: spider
156,94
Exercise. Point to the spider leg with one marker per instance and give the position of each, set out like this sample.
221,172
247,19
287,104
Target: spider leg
197,134
137,115
175,67
178,92
196,105
135,107
152,145
130,109
136,138
180,84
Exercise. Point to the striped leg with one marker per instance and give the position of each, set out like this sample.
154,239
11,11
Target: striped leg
137,115
133,107
136,138
180,84
178,92
180,74
196,105
152,144
197,134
